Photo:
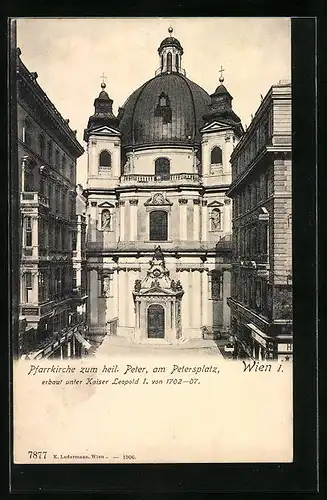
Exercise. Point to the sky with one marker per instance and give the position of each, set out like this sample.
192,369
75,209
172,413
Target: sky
70,55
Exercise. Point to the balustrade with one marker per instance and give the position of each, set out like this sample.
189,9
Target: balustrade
145,178
28,197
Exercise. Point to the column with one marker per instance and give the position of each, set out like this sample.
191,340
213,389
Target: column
93,213
204,228
226,293
205,298
22,287
35,287
133,219
195,291
131,274
196,220
61,352
35,236
78,241
23,167
93,157
69,350
121,220
121,298
227,226
185,315
115,293
74,346
183,219
93,296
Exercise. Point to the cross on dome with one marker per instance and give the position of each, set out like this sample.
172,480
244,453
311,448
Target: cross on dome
103,77
221,78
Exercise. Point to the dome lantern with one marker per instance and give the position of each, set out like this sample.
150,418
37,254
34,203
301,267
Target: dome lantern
170,53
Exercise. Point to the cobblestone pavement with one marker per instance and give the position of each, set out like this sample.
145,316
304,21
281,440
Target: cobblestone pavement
116,346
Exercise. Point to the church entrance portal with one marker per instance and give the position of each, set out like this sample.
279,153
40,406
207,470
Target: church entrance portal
156,321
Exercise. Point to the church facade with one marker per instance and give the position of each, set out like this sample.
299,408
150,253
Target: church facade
158,218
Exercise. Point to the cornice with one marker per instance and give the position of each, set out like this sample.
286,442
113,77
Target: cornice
35,92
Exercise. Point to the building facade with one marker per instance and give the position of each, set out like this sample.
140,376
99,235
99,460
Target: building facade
47,153
156,206
261,191
79,258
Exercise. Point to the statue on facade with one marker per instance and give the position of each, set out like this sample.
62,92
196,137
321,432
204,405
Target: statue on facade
155,283
215,219
179,286
158,255
106,286
105,219
137,285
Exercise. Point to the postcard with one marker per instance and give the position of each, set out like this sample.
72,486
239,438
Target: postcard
154,243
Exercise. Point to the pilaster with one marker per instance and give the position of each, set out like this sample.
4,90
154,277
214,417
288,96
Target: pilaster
204,222
227,226
121,205
196,219
183,218
133,219
205,298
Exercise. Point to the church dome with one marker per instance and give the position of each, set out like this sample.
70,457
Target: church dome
166,110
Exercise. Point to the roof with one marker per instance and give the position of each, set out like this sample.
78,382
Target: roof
221,90
36,91
170,41
144,122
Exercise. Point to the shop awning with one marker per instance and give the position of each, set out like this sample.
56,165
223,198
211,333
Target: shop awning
257,330
82,340
258,334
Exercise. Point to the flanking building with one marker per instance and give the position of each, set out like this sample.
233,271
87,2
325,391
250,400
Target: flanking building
47,153
157,177
261,191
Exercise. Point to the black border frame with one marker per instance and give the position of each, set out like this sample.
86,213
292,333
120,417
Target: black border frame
301,476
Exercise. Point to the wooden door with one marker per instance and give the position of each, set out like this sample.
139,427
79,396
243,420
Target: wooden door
156,321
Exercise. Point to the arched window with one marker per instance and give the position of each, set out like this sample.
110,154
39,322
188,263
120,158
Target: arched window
162,62
27,132
162,168
215,219
41,145
216,156
169,62
177,62
104,162
158,225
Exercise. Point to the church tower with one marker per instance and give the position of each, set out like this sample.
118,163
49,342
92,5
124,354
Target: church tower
103,140
220,135
102,136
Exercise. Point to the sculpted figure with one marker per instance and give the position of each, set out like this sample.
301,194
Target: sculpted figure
105,219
